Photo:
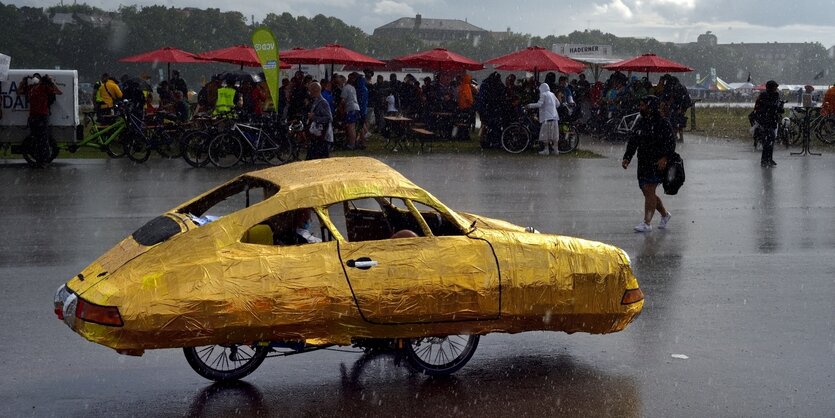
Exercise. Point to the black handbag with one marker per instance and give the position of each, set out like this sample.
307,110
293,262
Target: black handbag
674,175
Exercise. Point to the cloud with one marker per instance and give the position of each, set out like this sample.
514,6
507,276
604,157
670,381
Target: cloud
390,7
617,9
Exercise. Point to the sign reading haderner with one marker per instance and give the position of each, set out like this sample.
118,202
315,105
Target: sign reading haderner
583,50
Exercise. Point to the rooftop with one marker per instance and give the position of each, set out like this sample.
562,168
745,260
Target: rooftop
432,24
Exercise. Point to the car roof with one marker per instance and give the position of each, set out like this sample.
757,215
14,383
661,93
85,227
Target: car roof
344,173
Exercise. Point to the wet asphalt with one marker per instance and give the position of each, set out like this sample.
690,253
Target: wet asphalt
742,284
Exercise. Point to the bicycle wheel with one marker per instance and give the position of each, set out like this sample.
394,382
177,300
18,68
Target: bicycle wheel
610,130
116,148
439,356
569,140
169,143
515,138
138,149
225,362
195,148
39,153
826,131
225,151
794,133
275,152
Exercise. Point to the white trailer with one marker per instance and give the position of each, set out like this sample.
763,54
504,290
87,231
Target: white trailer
64,113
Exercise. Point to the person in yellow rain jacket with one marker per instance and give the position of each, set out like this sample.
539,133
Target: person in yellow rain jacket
227,98
109,92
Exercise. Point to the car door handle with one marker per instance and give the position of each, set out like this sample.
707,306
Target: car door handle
362,263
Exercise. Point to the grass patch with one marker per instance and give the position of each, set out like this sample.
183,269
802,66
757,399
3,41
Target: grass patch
723,122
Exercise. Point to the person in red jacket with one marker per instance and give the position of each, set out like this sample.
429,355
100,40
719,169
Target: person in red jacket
41,92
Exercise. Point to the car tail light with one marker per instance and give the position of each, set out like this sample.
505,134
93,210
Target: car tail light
97,314
632,296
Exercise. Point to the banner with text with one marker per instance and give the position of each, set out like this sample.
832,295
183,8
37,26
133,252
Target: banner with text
581,50
267,50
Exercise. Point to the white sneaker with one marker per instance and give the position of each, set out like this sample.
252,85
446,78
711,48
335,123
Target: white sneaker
546,151
643,227
664,220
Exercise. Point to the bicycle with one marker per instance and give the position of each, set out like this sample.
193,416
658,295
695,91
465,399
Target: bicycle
251,141
194,143
619,128
517,136
159,137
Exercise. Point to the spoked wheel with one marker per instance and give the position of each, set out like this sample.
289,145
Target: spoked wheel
439,356
116,148
826,132
225,151
195,148
275,152
39,153
569,139
515,139
169,143
223,363
138,149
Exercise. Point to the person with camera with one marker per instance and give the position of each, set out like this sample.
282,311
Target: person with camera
41,92
768,111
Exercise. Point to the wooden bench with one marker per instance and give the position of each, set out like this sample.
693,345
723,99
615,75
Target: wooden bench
423,135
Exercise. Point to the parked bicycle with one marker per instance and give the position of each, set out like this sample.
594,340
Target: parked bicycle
519,136
250,142
157,136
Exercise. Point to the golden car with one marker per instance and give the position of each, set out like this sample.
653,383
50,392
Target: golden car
339,251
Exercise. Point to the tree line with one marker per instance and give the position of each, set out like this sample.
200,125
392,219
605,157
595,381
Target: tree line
93,47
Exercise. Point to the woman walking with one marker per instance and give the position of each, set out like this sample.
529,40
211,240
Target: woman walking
654,140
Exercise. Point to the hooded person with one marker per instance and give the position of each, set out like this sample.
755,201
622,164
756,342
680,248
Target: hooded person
549,133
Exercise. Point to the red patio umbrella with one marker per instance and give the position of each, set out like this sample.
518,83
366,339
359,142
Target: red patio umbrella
165,54
332,54
648,63
440,59
243,55
535,59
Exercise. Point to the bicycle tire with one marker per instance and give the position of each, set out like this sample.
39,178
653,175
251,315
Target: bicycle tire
225,151
826,131
569,140
429,355
39,155
138,149
610,130
515,138
278,151
116,147
168,144
245,360
195,148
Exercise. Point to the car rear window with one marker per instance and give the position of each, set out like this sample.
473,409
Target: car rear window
156,231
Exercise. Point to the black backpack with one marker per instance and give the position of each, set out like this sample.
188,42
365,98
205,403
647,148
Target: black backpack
674,175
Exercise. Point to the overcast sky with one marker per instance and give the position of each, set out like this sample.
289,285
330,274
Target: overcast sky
665,20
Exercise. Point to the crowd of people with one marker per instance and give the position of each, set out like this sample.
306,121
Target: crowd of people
446,104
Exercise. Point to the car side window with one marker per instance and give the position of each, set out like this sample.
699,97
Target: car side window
374,219
439,224
295,227
231,197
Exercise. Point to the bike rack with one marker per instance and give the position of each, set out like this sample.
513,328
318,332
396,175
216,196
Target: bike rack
807,133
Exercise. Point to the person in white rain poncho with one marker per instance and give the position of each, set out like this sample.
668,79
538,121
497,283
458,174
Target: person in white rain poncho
549,133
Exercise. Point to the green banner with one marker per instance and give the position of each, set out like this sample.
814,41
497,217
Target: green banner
267,49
